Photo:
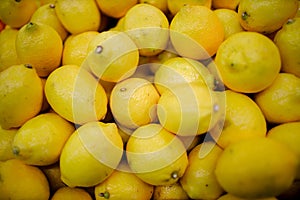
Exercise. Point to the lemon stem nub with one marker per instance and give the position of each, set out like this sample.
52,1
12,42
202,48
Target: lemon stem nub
174,175
52,5
29,66
245,15
104,194
16,150
99,49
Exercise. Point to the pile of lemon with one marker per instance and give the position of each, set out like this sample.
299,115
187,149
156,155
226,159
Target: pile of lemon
149,99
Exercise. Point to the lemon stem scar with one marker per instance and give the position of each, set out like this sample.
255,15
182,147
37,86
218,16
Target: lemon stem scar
16,150
123,89
104,194
174,175
52,5
290,21
99,49
29,66
245,15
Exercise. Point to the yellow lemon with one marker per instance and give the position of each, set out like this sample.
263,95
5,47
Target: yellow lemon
122,185
16,13
77,97
133,102
281,101
199,180
40,140
8,53
148,27
248,62
68,193
112,57
229,4
232,197
160,4
46,14
189,110
179,71
53,175
175,5
262,166
243,120
115,9
76,48
287,39
167,192
84,161
263,16
287,133
229,19
21,181
155,155
21,95
6,140
78,16
39,45
196,32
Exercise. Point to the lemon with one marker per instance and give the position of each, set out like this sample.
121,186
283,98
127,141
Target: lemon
287,40
133,102
8,53
196,32
115,9
68,193
46,14
39,45
160,4
229,4
40,140
155,155
148,27
281,101
178,71
175,5
189,110
166,192
21,181
77,97
76,48
16,13
243,120
199,180
52,173
113,56
229,19
256,168
248,62
263,16
232,197
122,185
287,133
83,161
78,16
6,140
21,95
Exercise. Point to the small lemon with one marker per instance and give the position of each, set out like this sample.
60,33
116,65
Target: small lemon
281,101
287,39
46,14
196,32
84,160
76,95
40,140
117,8
229,4
243,120
155,155
199,180
78,16
148,27
21,95
53,175
133,102
8,53
248,62
41,46
122,185
287,133
76,48
21,181
16,13
112,57
160,4
6,140
175,5
167,192
263,16
68,193
256,168
232,197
